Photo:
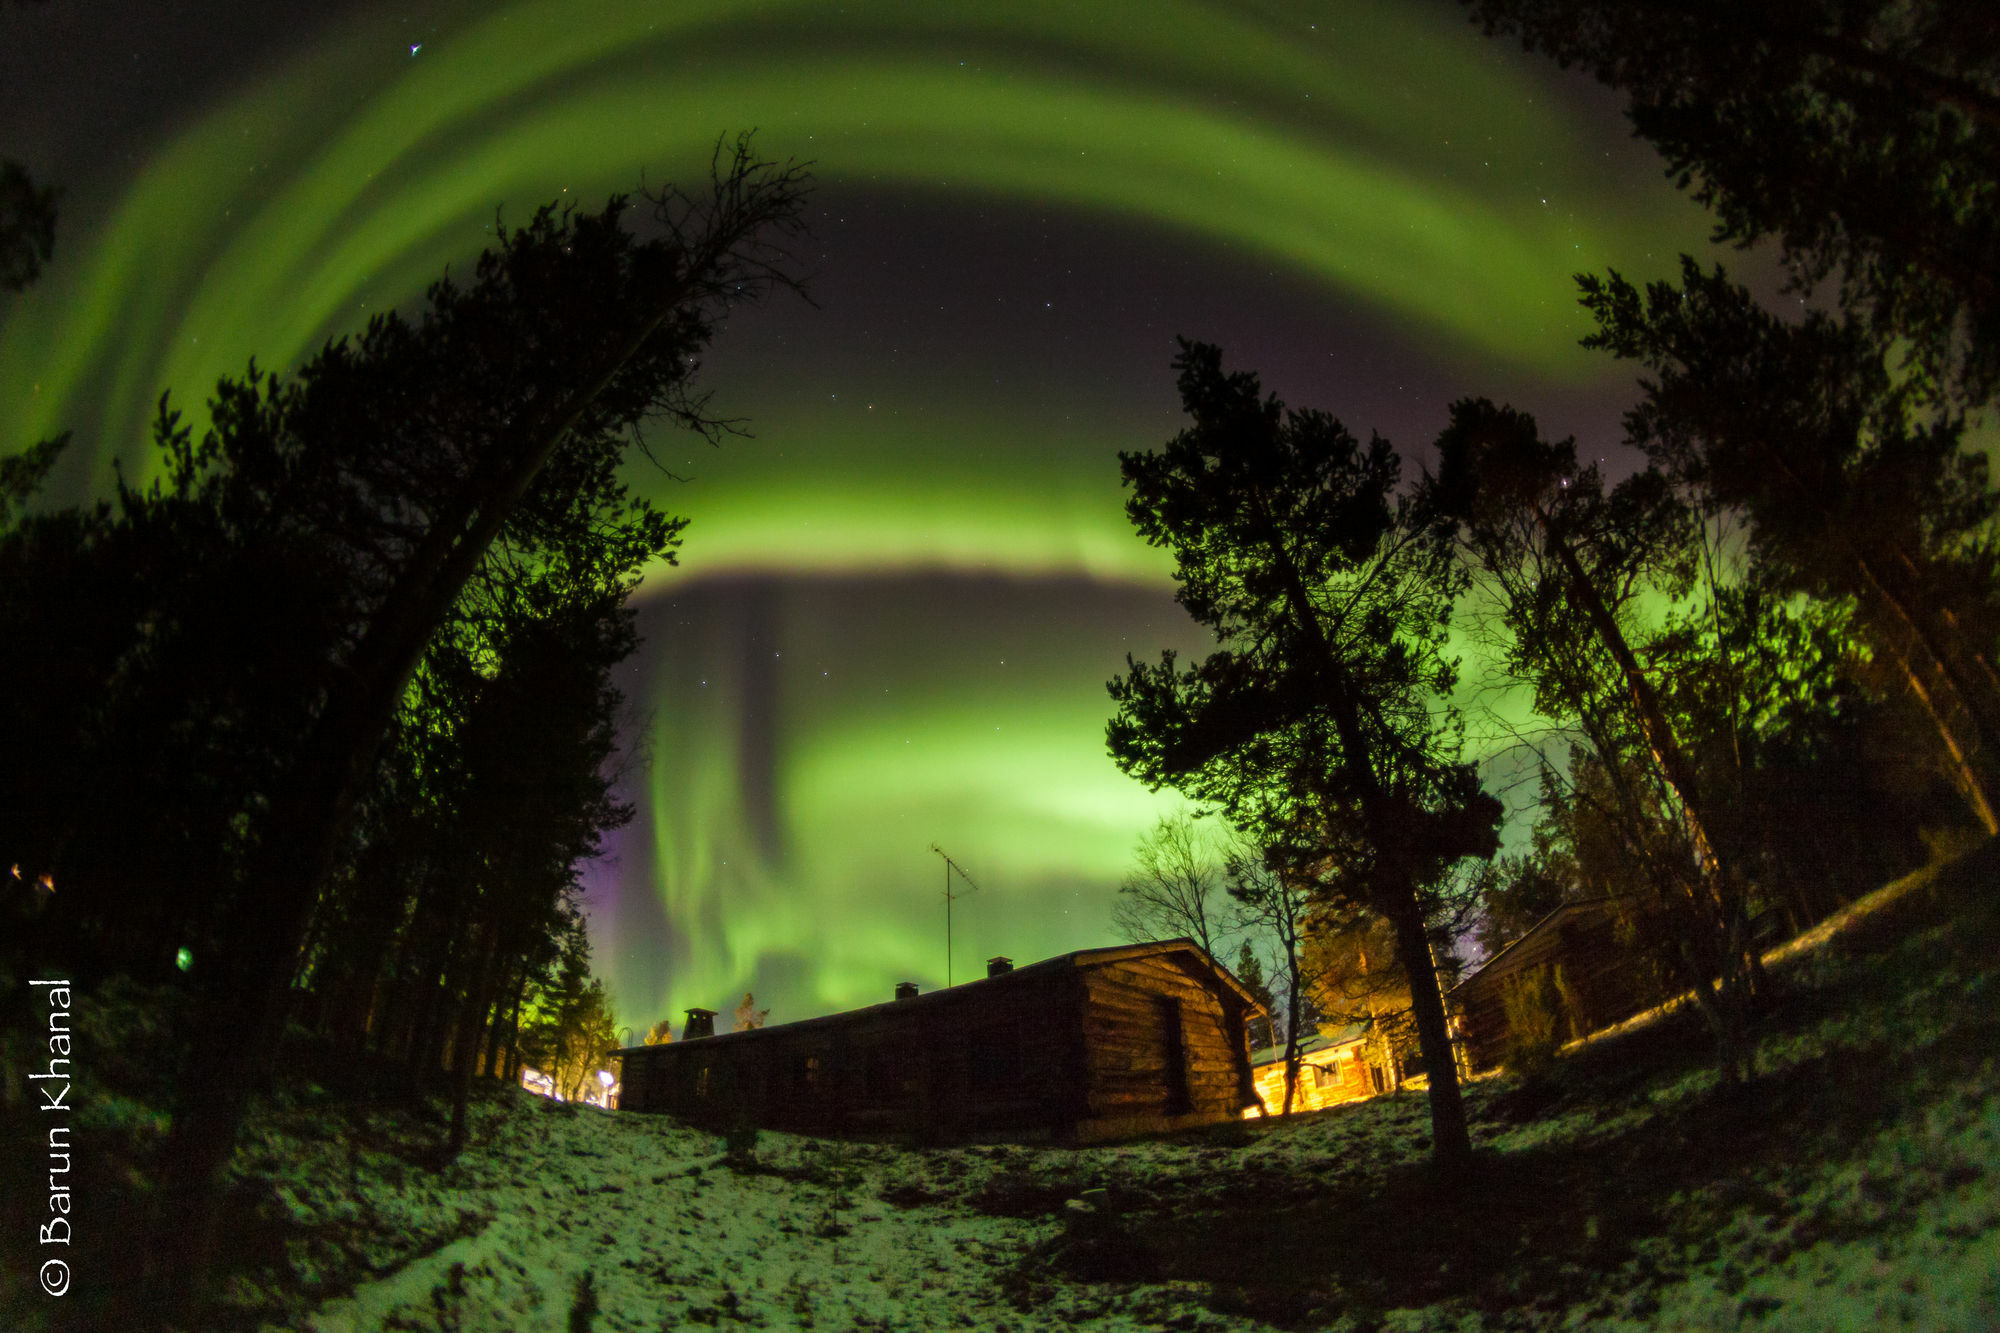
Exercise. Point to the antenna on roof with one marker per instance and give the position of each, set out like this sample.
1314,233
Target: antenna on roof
949,897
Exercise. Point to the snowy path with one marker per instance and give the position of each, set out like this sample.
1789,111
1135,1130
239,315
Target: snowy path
671,1238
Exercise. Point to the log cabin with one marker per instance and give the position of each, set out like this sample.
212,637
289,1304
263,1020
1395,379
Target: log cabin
1086,1047
1599,979
1333,1068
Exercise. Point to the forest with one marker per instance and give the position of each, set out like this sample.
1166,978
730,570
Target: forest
309,738
1759,644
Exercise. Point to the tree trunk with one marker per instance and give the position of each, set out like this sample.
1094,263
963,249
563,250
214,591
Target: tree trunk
1291,1027
1653,722
466,1045
239,1020
1926,664
1932,685
1451,1144
1451,1140
493,1061
512,1071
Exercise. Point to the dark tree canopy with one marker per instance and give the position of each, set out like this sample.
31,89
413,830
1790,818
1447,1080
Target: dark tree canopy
1848,488
399,489
1863,136
27,227
1320,724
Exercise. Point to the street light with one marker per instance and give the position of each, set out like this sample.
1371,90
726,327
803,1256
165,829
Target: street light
604,1077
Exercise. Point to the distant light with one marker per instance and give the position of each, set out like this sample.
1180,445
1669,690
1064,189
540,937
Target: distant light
418,47
184,958
604,1077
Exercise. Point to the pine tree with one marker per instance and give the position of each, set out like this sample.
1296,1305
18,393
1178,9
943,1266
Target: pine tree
1320,722
400,461
1863,136
1250,971
1847,487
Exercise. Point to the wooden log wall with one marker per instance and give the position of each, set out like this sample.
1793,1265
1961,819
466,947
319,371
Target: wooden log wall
1604,981
1130,1074
1082,1052
1326,1078
986,1062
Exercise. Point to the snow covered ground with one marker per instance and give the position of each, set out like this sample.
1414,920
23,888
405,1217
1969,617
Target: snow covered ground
580,1219
1854,1185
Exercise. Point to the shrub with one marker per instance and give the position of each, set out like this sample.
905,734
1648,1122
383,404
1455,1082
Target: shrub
1536,1022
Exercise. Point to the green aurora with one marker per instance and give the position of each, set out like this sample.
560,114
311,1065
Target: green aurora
1380,158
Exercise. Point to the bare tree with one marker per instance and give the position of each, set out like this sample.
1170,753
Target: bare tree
1176,887
1276,905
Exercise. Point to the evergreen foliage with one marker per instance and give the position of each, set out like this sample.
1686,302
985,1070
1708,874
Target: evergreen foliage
1847,487
1565,563
1863,136
1250,971
348,659
27,227
1319,726
1536,1023
567,1032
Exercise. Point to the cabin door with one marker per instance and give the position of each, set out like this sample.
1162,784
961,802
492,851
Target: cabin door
1174,1055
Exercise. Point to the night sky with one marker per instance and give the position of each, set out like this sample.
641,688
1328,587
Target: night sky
898,604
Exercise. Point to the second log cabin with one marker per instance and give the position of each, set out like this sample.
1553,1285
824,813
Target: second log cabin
1592,976
1088,1046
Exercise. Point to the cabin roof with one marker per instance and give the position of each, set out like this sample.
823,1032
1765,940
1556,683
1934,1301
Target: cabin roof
1594,906
1313,1045
1079,958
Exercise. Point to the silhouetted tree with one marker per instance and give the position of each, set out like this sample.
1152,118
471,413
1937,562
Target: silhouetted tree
1526,886
401,457
1277,906
1250,971
1176,887
1824,763
568,1033
1862,135
1847,489
1566,562
530,797
1320,725
27,227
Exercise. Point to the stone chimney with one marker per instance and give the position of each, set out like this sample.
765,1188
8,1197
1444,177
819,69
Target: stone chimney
998,964
906,990
700,1023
